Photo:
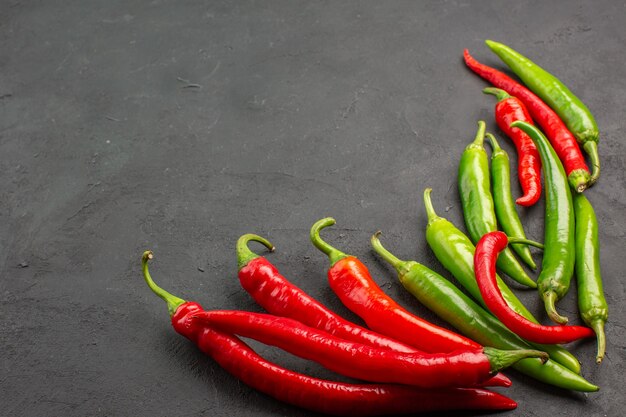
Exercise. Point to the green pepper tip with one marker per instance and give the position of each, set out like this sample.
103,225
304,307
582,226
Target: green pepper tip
549,299
591,147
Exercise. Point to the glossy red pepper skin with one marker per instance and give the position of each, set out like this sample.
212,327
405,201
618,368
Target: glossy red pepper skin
351,281
508,110
328,397
487,250
562,140
277,295
457,369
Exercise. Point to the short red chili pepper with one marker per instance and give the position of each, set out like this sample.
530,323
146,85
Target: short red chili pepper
562,140
277,295
487,250
351,282
508,110
466,368
329,397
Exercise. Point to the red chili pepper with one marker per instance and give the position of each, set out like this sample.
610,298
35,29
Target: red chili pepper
356,289
562,140
508,110
487,250
466,368
335,398
277,295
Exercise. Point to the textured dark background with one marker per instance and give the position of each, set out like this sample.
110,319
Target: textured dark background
179,126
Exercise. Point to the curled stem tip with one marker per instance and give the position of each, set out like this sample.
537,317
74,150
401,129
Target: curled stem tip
549,299
428,203
334,254
384,253
172,301
499,93
244,254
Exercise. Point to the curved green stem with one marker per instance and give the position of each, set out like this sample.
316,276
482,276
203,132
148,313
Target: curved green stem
500,94
515,240
384,253
549,299
333,254
495,146
430,210
172,301
598,328
591,147
479,139
244,254
500,359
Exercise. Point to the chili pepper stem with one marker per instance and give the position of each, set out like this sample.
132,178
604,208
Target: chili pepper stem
591,147
428,204
500,94
479,139
399,265
598,328
335,255
500,359
518,240
172,301
549,298
579,180
244,254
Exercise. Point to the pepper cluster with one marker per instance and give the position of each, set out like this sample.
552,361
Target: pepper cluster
410,365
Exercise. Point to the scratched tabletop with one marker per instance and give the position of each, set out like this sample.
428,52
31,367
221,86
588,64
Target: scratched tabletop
179,126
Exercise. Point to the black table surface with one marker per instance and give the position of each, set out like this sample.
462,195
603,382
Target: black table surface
179,126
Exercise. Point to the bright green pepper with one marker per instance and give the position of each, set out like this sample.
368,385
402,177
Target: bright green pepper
449,303
557,267
478,209
503,200
456,253
570,109
591,302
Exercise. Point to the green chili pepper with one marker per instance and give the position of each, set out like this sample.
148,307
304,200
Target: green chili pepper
478,210
503,200
557,266
449,303
591,302
456,253
572,111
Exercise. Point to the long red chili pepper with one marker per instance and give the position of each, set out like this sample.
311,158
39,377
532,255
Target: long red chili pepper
466,368
329,397
508,110
277,295
351,281
487,250
562,140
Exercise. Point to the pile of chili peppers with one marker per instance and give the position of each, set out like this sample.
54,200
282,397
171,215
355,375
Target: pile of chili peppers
406,364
